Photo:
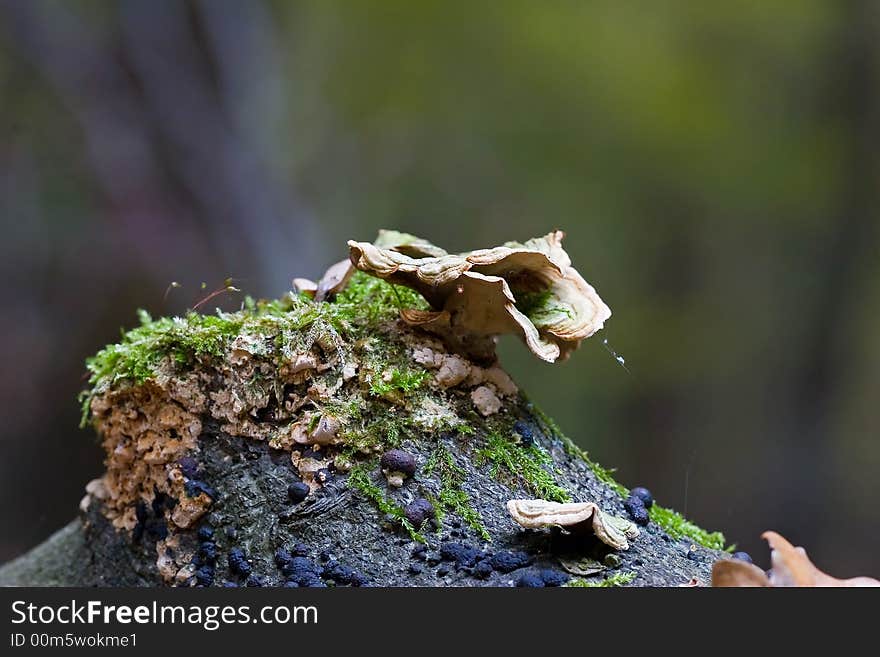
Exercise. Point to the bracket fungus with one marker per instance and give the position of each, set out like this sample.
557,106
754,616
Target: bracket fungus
574,517
790,567
528,289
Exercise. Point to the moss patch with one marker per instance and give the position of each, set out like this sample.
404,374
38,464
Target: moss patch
364,303
531,466
451,497
672,522
403,381
677,526
376,301
601,473
617,579
359,479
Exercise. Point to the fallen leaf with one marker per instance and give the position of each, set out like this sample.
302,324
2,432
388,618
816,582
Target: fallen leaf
790,567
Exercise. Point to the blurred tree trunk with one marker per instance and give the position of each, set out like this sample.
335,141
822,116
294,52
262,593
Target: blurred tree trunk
816,386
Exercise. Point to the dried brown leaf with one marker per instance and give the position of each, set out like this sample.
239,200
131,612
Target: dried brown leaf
790,567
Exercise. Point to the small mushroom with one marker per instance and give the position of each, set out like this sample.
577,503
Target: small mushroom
418,511
581,566
574,517
298,491
397,465
326,432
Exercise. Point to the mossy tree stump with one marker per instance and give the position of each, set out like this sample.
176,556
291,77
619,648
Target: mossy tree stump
245,448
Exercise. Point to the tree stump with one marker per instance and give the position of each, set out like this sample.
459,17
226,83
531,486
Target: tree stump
314,443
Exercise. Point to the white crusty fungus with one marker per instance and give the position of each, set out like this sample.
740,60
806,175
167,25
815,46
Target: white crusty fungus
485,401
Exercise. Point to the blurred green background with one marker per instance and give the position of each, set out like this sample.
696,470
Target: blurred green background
714,165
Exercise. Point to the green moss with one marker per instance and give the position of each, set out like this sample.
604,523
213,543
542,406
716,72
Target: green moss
374,300
601,473
617,579
370,425
382,431
672,522
452,497
290,325
404,381
677,526
359,479
135,357
529,465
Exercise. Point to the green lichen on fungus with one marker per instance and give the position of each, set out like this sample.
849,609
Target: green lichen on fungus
617,579
360,480
677,526
540,306
530,466
452,497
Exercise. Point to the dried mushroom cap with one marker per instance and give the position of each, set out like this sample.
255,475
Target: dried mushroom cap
408,244
305,286
529,289
574,516
334,280
790,567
